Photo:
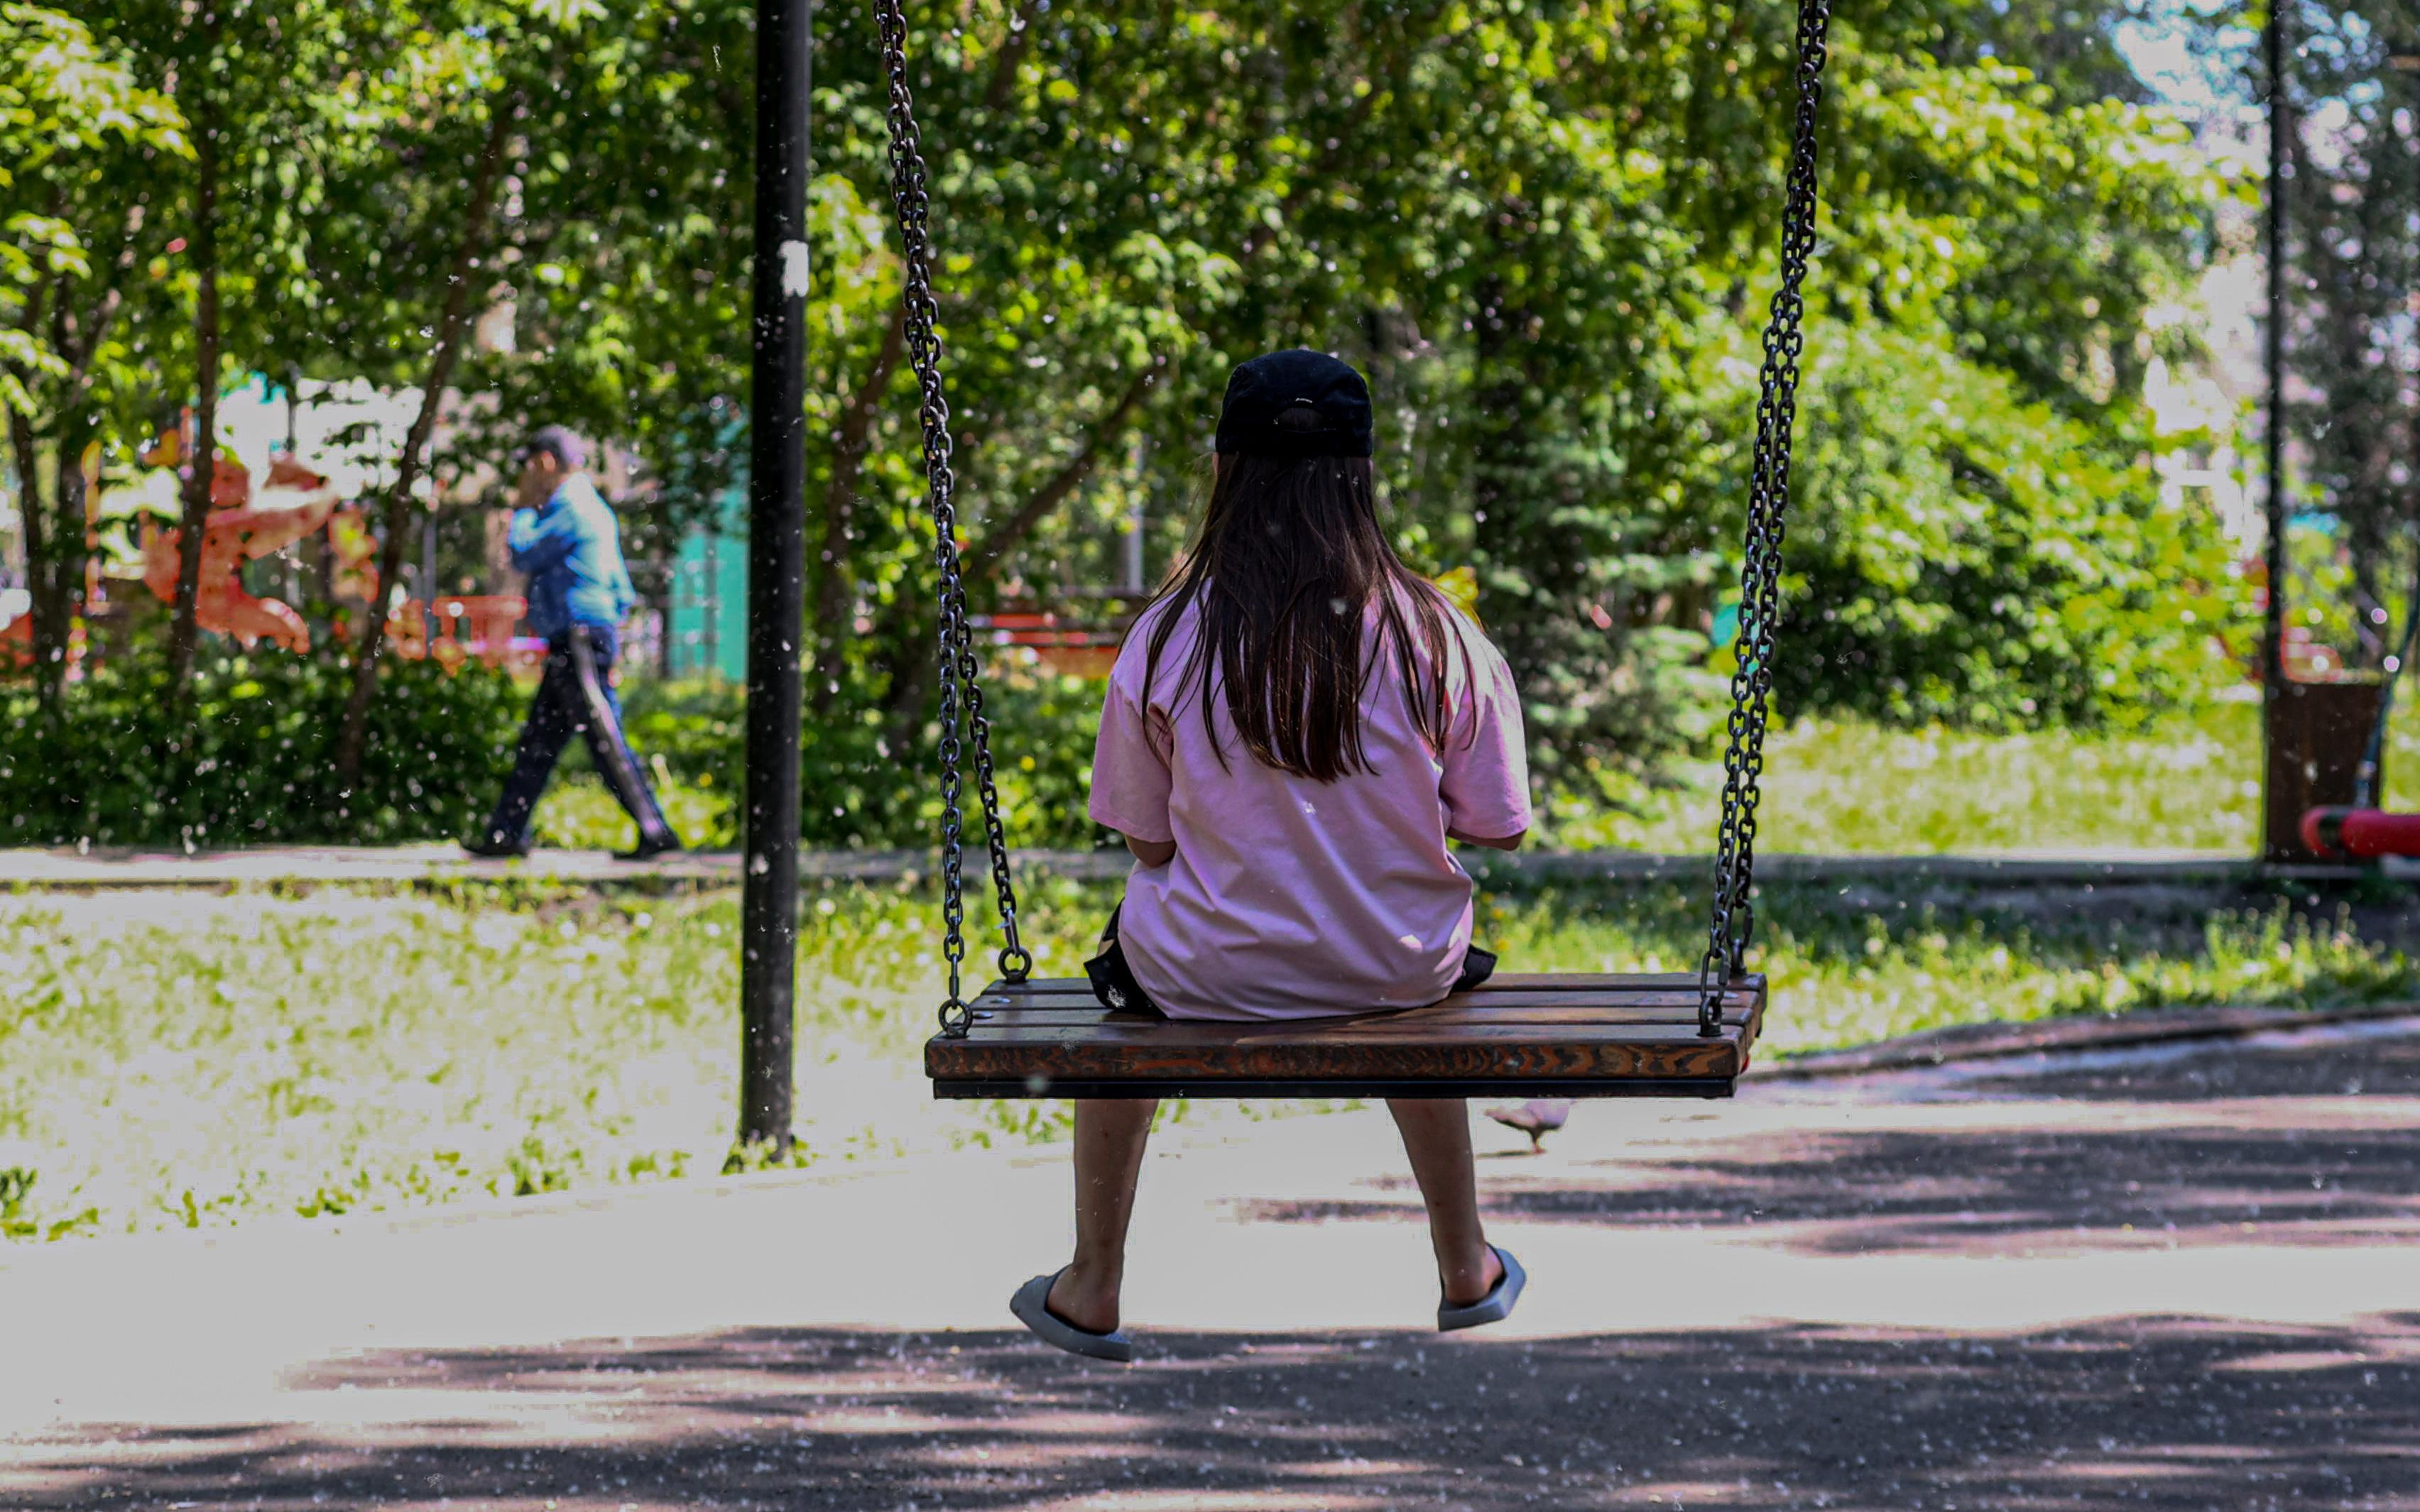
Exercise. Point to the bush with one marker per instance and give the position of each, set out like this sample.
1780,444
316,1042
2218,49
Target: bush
860,786
114,764
1964,557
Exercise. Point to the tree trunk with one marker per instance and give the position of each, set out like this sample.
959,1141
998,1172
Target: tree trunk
49,638
183,628
912,677
1011,533
354,735
1012,50
55,539
70,544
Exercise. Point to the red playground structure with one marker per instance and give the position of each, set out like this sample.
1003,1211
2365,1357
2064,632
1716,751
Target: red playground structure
2361,834
2358,830
457,628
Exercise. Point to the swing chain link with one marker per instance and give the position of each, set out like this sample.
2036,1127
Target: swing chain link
961,713
1768,503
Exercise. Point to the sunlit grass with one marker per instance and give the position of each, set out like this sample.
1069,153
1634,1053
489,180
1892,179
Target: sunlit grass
579,814
1852,965
1843,788
186,1058
182,1058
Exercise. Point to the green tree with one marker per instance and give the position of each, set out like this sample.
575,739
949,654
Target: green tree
2352,260
580,169
256,82
77,125
1980,538
620,261
1534,226
1547,231
1968,555
399,244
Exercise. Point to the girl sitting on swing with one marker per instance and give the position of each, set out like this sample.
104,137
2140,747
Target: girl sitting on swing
1294,730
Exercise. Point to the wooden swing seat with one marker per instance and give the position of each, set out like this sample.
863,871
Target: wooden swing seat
1517,1035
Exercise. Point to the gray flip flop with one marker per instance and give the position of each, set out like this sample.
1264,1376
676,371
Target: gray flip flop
1493,1308
1032,1305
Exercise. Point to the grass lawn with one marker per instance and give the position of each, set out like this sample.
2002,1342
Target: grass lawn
196,1059
1841,788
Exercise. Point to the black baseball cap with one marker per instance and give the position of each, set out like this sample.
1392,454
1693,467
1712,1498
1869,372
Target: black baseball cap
557,442
1261,391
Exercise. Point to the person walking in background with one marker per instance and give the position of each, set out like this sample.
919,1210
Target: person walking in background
566,539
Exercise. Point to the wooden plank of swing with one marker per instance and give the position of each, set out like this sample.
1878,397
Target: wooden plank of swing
1618,983
1580,1015
1581,1034
1652,1007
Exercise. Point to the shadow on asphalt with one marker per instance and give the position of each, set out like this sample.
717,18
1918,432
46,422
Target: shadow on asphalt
2150,1412
1979,1193
2382,1060
2263,1157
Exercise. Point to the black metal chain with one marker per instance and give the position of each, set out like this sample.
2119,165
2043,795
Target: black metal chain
1768,504
961,687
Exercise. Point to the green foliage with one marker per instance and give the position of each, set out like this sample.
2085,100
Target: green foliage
2353,255
624,256
1533,226
698,726
1964,555
65,104
83,129
1547,232
858,789
112,764
1989,195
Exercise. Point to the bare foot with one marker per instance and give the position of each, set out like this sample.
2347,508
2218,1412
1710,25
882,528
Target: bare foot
1469,1283
1085,1300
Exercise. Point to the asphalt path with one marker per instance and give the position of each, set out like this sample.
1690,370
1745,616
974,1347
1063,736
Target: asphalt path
2173,1276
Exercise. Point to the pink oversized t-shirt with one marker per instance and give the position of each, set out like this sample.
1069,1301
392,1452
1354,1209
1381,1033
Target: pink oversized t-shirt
1294,899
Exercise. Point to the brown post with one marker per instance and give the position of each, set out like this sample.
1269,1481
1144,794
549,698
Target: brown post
2314,734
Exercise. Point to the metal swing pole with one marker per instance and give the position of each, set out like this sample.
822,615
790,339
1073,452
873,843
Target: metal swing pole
776,481
2278,840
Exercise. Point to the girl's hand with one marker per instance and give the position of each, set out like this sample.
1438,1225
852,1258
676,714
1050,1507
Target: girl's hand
1509,842
1152,852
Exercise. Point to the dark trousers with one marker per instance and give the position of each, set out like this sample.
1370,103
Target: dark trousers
1113,980
575,697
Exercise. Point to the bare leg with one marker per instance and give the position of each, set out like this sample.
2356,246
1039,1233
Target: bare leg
1110,1136
1436,1137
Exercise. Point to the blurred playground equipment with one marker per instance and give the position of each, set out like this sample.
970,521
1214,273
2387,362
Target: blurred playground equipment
1077,632
295,503
251,521
238,530
1064,641
460,627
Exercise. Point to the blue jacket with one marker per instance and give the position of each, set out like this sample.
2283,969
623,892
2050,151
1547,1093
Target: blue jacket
572,551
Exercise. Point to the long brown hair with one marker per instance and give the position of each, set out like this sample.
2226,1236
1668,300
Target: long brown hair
1288,557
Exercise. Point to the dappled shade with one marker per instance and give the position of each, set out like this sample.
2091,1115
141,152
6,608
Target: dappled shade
2164,1412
